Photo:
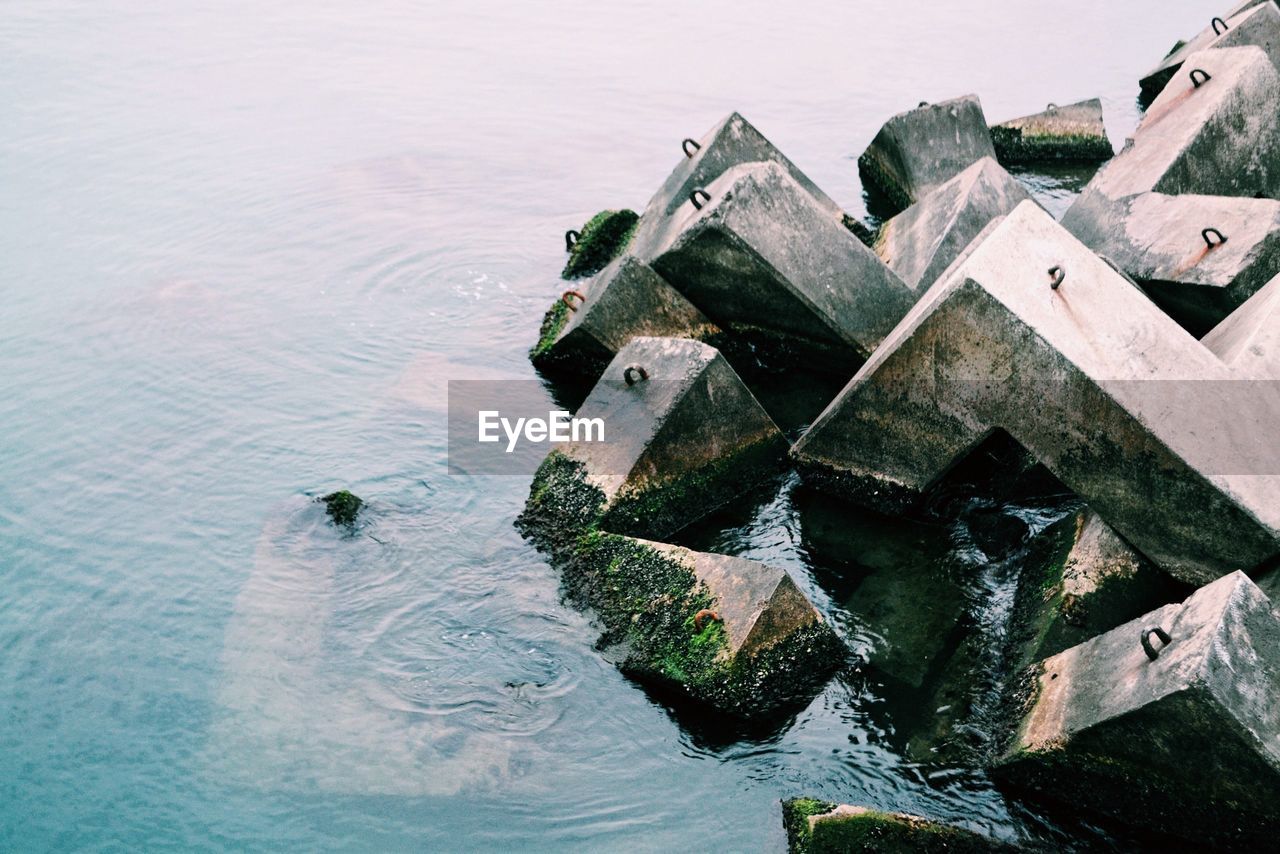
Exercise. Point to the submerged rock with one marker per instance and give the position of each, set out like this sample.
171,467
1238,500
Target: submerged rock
1071,134
921,149
604,237
1117,401
769,264
1252,22
585,328
1167,723
925,239
732,634
343,507
819,827
682,435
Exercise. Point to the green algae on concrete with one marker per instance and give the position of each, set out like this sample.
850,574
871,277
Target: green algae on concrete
817,827
604,237
343,507
553,322
1074,133
671,623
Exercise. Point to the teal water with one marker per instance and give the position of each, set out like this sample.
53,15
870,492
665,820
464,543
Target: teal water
244,247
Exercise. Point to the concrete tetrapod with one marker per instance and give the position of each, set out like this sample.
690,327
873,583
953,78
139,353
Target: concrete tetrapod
682,435
1252,22
768,264
1168,723
921,149
818,827
1249,340
1214,131
1036,336
922,241
733,634
586,327
1071,134
732,142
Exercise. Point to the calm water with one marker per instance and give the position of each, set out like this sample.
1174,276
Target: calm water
245,245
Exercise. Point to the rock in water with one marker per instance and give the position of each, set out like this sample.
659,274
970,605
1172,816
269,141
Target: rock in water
343,507
1071,134
818,827
921,149
1168,722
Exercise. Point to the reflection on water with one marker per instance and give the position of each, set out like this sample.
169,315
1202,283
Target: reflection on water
246,246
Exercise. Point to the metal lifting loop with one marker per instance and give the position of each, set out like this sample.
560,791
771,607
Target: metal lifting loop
688,142
1199,77
693,197
1209,233
633,371
1151,651
1052,107
922,104
564,298
702,616
570,240
1056,275
1215,22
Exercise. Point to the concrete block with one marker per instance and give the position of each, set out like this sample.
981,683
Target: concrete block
1183,738
922,241
1090,377
604,237
585,328
1249,339
1071,134
1252,22
730,143
921,149
767,263
682,436
818,827
733,634
1174,246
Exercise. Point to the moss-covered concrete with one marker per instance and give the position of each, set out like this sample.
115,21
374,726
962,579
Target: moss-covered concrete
604,237
817,827
343,507
1014,146
552,324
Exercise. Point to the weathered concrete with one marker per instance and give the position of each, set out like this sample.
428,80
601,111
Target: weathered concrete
586,327
1071,134
1074,375
1219,139
1249,340
818,827
604,237
683,436
1089,581
767,263
921,149
1161,241
730,143
1252,22
922,241
1187,743
730,633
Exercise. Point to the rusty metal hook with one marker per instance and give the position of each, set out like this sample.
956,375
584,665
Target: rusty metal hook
629,375
1215,23
1052,107
688,142
1204,77
1056,275
570,240
1151,651
701,616
564,298
693,197
1213,231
